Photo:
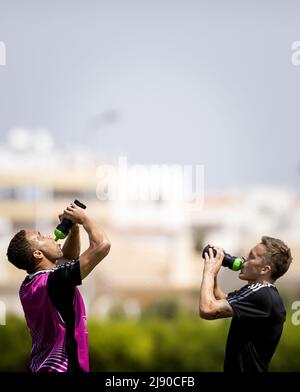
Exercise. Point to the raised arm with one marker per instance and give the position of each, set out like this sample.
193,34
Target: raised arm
98,249
71,247
99,245
218,293
210,307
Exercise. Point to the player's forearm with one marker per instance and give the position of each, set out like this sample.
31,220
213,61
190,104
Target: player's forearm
98,249
96,235
217,292
207,298
71,247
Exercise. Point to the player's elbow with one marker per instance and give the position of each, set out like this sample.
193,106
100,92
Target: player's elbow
104,248
107,246
206,313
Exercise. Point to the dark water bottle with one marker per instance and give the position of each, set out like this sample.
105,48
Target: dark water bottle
63,229
232,262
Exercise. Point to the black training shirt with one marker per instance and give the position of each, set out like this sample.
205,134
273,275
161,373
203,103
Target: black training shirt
255,328
61,289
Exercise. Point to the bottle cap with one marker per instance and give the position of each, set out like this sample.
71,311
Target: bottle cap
59,234
237,264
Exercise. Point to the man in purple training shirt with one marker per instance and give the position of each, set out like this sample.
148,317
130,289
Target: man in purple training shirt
53,306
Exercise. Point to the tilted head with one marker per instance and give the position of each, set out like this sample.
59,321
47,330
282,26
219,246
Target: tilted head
28,248
267,261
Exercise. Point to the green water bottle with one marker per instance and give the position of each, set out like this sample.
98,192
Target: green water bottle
232,262
62,230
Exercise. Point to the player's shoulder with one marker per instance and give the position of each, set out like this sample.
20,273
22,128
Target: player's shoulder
34,282
64,264
37,277
254,291
262,287
265,292
65,273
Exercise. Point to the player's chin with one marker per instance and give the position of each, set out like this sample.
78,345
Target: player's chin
242,276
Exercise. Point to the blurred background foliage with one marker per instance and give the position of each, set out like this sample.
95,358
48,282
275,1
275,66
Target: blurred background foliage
165,337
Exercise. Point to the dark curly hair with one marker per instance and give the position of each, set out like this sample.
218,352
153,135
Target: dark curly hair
19,252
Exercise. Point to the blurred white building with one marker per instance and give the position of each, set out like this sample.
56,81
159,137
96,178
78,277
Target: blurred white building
157,240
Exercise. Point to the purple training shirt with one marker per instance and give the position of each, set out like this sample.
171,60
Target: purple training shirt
47,327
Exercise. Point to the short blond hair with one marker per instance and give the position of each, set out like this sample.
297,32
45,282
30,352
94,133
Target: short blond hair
278,254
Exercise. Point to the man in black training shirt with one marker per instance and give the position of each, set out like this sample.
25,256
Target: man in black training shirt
256,309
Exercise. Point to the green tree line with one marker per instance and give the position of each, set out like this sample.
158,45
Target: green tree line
182,343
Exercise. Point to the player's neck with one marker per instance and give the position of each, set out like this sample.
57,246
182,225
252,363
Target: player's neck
261,281
44,264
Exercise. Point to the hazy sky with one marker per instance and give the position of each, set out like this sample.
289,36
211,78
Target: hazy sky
191,82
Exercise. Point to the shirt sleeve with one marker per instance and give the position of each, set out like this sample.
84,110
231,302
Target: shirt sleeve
65,275
251,304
